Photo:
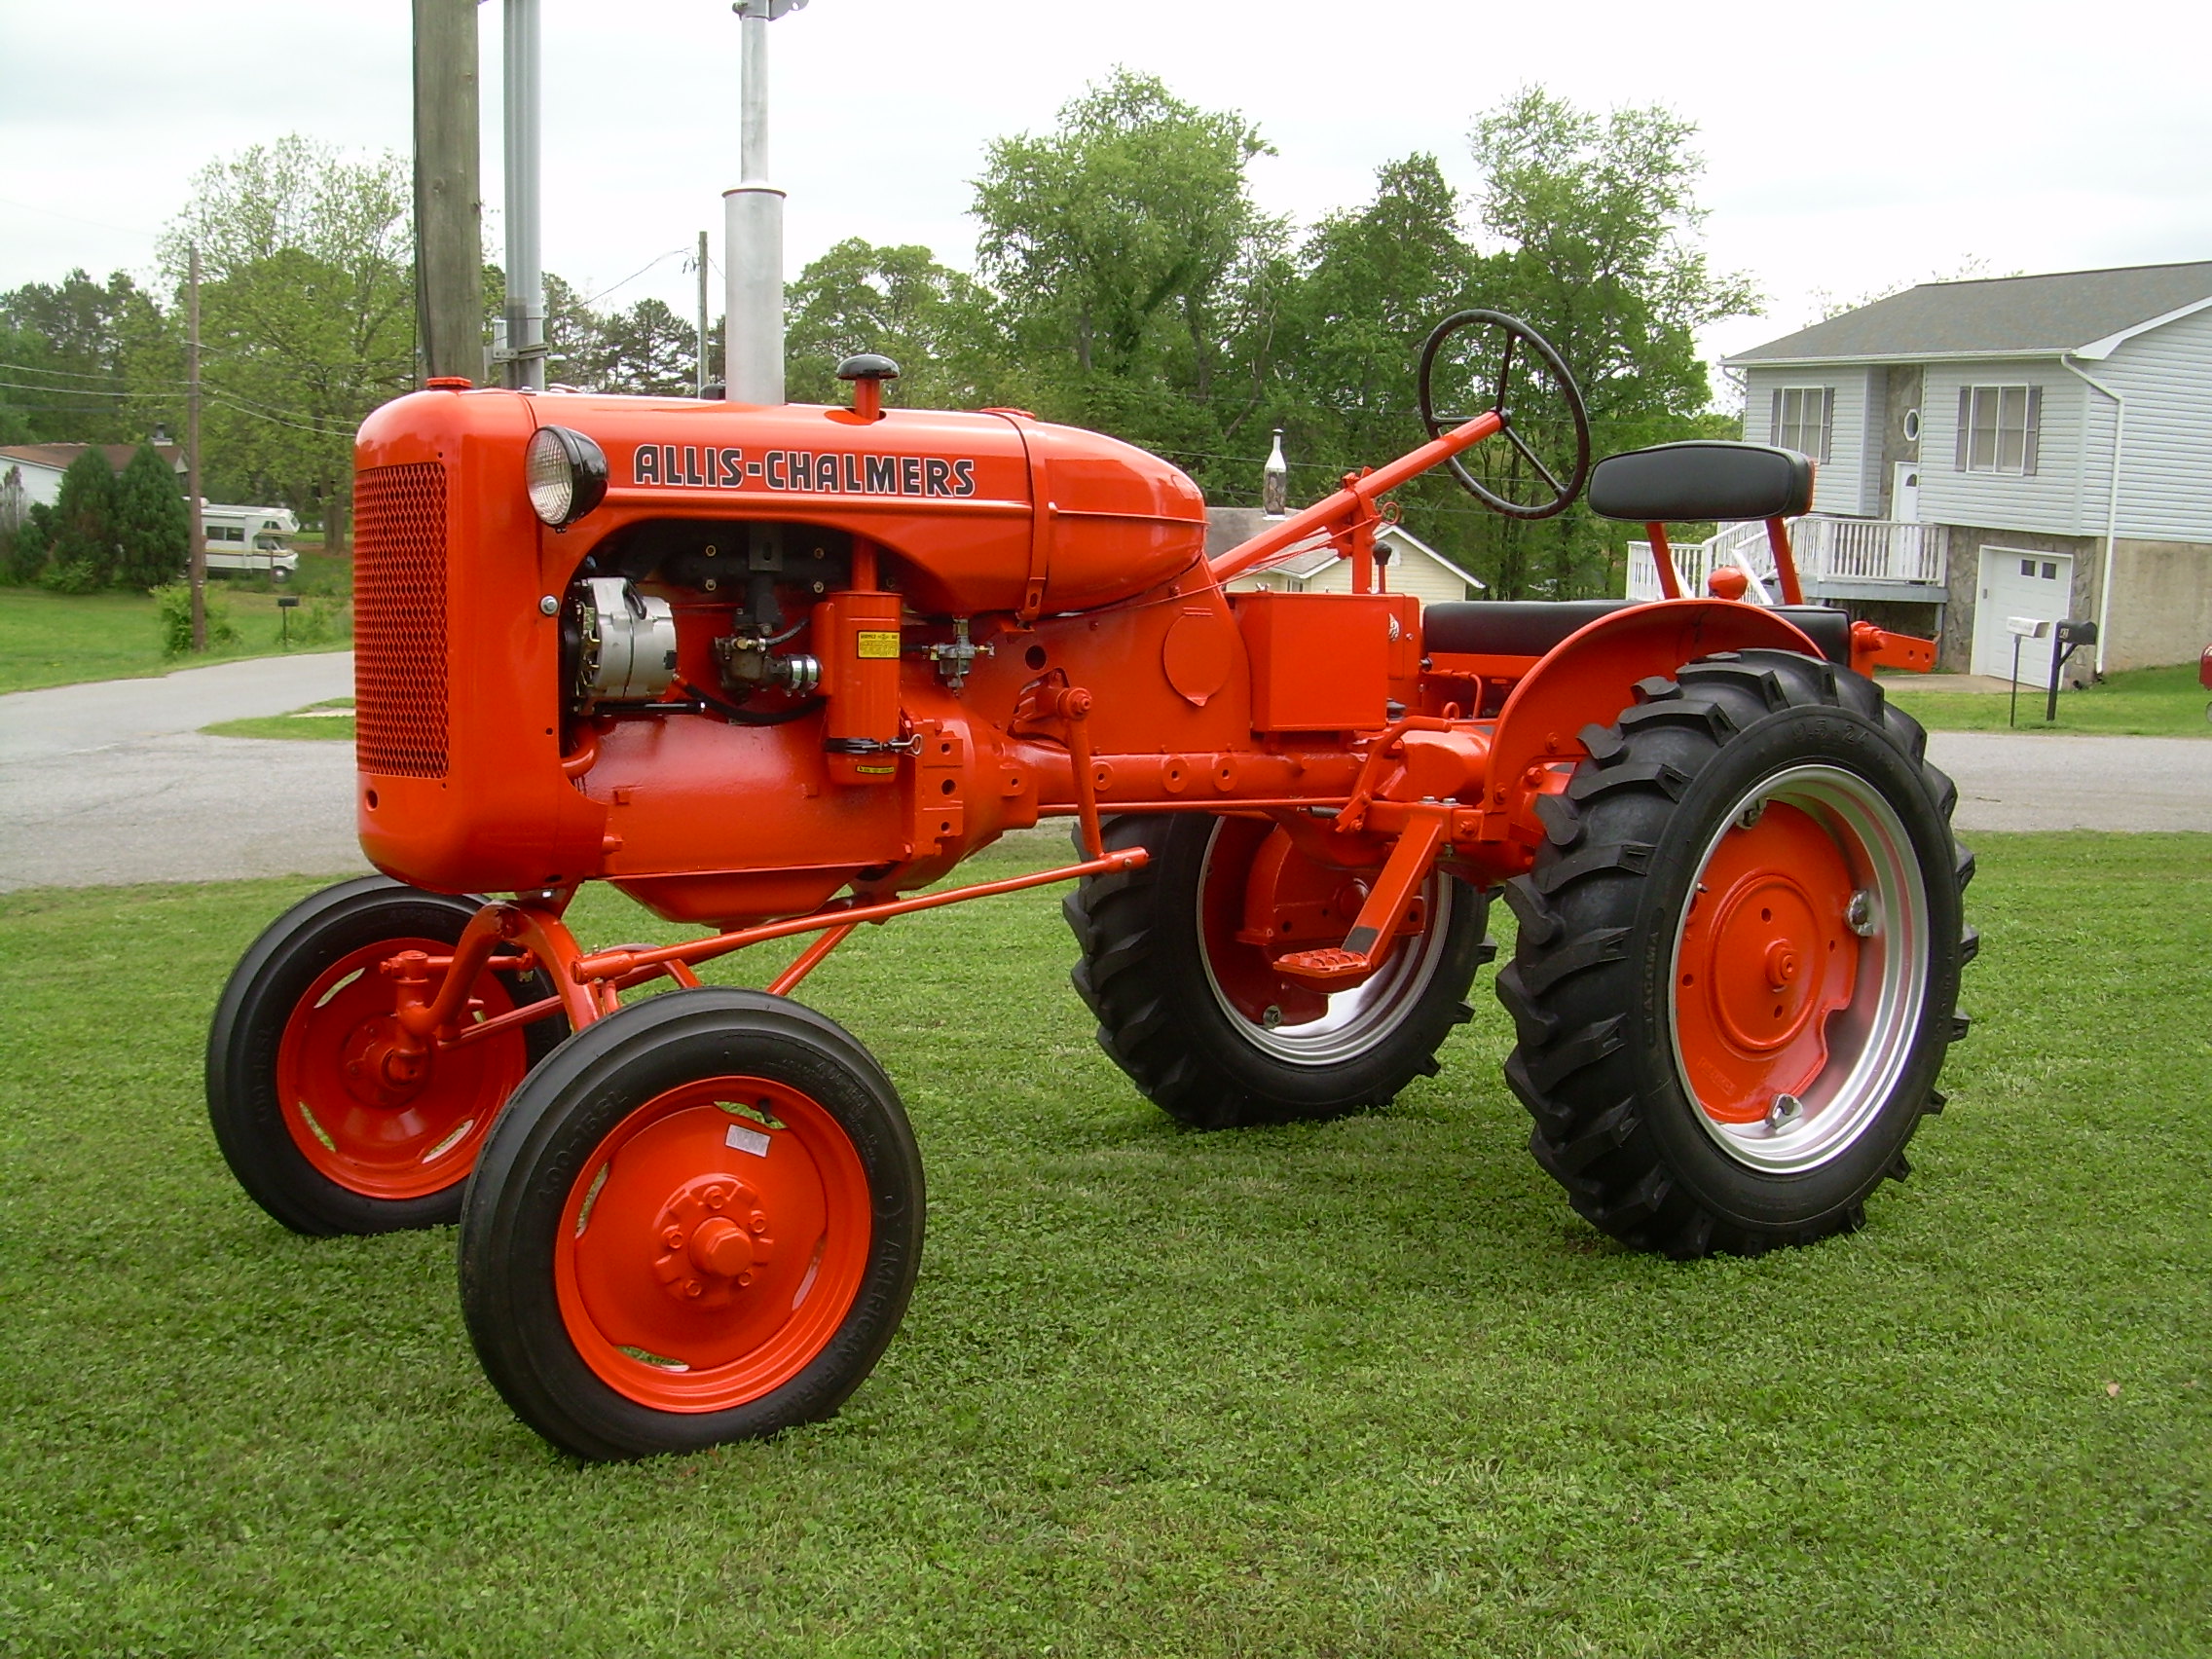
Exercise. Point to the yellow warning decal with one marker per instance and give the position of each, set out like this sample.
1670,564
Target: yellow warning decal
877,771
872,643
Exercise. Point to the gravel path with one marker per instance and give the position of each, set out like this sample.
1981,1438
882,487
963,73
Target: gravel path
112,782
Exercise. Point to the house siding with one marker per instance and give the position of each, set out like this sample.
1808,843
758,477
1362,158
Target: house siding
2053,501
2165,488
1849,479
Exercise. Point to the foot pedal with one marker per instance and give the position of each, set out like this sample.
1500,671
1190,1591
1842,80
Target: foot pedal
1329,969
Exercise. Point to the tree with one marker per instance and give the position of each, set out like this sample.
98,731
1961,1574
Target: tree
646,350
1369,286
67,350
152,523
1599,222
307,314
933,321
85,553
1132,263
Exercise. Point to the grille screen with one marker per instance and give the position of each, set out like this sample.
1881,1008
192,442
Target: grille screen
399,619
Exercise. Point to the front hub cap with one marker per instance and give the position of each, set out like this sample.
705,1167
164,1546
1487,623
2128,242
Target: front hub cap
1799,969
712,1244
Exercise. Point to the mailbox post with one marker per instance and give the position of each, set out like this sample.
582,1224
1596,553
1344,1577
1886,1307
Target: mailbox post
2070,636
2021,628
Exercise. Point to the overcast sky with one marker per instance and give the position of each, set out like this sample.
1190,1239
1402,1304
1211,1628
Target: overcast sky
1847,148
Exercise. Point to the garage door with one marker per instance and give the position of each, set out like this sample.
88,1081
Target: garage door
2015,582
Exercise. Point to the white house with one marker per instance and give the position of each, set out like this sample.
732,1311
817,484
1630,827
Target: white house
1409,564
2021,446
40,466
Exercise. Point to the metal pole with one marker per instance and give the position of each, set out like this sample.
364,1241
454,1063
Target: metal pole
199,565
2013,714
449,245
753,228
702,374
525,273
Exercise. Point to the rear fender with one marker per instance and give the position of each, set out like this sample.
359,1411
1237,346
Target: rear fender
1590,676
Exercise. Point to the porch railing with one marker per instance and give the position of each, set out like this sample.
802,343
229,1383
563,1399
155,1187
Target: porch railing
1827,549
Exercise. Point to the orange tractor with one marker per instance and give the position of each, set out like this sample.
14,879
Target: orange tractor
777,670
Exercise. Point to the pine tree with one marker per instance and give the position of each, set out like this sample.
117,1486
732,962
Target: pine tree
151,522
85,553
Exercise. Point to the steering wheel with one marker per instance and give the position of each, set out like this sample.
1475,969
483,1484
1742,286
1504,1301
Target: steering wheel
1483,365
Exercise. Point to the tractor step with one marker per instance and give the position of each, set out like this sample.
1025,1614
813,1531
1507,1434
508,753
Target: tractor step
1329,969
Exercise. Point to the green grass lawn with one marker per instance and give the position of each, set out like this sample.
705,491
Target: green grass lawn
317,722
2153,702
52,638
1365,1387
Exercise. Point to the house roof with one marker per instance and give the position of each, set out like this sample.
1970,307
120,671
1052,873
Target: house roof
60,456
2080,312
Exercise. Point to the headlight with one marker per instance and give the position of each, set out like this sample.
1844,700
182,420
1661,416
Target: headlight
567,474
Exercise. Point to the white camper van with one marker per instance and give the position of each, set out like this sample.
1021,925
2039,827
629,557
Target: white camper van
251,540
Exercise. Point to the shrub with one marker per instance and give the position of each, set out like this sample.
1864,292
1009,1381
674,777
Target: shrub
172,615
32,541
151,522
72,575
85,546
320,621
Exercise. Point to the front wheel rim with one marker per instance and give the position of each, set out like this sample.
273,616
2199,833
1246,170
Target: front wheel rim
1800,970
713,1244
1311,1028
358,1113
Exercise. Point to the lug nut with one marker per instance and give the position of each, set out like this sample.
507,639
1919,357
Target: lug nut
1785,1110
1751,815
1858,914
759,1222
1270,1016
673,1237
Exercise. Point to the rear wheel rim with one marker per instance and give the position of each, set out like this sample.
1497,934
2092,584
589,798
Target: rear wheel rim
713,1244
1310,1027
1800,970
361,1121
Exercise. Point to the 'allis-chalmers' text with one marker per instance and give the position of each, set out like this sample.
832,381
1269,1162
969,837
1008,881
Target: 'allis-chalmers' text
695,466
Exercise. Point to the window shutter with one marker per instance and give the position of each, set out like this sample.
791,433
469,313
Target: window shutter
2035,428
1828,421
1966,423
1774,424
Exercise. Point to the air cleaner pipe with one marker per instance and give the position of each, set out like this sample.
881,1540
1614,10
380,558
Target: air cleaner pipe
525,270
753,228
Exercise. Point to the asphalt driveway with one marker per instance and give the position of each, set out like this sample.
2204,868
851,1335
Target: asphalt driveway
112,782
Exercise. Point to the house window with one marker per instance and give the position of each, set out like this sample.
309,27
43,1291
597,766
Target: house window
1802,418
2000,428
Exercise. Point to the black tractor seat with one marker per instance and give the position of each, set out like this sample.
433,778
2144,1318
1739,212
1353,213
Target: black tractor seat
1502,627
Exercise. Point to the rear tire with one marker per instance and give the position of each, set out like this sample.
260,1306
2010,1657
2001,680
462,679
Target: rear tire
1184,1009
699,1222
1739,958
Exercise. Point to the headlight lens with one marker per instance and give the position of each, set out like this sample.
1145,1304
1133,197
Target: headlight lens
567,474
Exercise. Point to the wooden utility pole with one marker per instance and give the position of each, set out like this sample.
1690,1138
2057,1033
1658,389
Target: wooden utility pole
191,456
449,240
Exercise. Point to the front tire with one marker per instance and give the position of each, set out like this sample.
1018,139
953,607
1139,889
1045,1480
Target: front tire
314,1133
699,1222
1200,1020
1739,958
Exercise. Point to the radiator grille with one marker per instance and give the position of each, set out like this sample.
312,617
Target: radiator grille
399,619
